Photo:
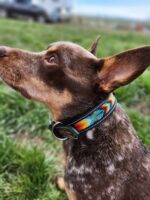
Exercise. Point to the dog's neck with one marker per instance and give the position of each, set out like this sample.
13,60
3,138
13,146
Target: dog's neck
114,139
115,135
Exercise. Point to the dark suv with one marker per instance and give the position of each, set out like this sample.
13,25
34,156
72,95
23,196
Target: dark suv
26,9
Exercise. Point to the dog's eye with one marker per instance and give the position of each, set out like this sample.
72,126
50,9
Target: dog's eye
52,60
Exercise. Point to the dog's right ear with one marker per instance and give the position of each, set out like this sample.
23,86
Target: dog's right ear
122,69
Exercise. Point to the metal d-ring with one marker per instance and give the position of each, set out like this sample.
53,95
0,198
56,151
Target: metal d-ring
71,133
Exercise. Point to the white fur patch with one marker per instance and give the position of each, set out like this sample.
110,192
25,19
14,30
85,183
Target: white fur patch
80,170
118,117
90,134
71,186
110,189
130,146
146,166
111,169
120,158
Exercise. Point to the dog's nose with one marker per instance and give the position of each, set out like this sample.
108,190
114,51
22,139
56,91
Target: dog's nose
3,52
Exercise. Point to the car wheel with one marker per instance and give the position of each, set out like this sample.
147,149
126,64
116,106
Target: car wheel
3,13
40,19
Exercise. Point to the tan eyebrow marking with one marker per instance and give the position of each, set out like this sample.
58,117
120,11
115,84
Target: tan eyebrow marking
52,49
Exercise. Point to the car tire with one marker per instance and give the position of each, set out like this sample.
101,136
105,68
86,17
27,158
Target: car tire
3,13
40,19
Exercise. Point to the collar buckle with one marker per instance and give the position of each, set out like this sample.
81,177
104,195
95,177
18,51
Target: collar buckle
63,132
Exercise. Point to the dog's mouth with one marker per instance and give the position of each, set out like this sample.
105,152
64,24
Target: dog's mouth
17,88
22,91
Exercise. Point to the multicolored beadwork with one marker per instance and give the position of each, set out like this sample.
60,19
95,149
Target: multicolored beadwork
96,116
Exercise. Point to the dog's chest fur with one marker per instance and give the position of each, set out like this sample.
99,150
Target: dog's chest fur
109,162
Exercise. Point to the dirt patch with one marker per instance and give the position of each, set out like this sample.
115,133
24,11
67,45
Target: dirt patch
25,139
143,107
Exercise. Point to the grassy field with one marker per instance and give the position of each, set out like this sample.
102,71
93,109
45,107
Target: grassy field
28,153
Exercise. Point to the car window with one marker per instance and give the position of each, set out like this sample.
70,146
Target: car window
23,1
38,2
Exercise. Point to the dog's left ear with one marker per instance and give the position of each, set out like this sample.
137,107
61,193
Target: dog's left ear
93,47
123,68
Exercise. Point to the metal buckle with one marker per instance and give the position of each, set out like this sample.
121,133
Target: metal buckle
64,132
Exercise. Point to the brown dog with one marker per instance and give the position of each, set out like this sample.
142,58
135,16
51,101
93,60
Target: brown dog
107,162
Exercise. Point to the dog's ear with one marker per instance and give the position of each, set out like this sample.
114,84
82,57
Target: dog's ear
123,68
93,47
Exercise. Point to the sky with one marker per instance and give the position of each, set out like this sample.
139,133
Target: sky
133,9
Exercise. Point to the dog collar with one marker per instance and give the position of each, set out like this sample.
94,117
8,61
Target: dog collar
93,118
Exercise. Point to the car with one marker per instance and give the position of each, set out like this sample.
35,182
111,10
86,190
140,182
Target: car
37,10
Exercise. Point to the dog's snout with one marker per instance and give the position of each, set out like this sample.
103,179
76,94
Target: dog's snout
3,51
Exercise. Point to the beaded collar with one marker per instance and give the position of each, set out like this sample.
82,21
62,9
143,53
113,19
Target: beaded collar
89,120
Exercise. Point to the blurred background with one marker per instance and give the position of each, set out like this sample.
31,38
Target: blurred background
29,155
121,15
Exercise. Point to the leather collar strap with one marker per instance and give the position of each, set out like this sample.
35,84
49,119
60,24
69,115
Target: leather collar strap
93,118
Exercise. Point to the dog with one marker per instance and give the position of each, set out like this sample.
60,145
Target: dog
105,160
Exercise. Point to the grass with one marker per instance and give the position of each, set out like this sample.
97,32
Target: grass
28,152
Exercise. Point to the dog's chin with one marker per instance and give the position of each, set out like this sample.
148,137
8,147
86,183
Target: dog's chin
21,90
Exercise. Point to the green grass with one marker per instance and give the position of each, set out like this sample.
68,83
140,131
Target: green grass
28,152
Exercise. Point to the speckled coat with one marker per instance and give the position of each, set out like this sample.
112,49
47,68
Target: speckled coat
109,162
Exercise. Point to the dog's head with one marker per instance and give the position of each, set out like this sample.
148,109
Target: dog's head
68,76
